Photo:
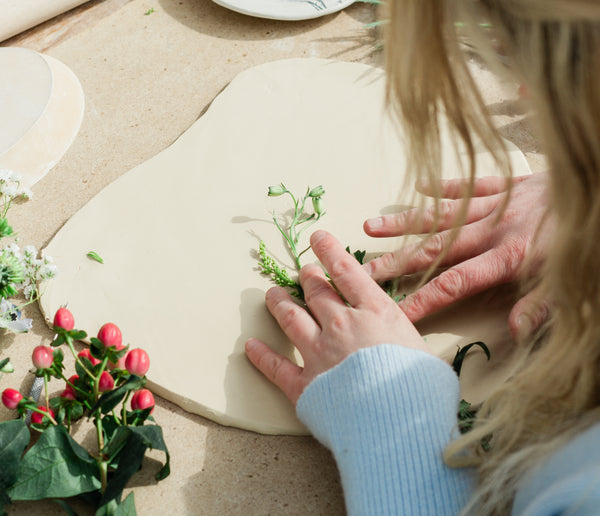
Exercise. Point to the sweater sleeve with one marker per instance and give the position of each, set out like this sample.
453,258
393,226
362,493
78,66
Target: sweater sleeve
387,414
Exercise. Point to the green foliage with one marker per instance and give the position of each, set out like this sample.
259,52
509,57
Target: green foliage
14,438
55,467
301,220
95,256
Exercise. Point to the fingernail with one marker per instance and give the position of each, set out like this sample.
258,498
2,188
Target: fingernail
251,344
375,223
317,235
524,327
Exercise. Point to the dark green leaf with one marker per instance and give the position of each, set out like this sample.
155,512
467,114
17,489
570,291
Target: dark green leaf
113,508
56,466
4,362
14,437
59,340
77,334
462,353
109,400
130,460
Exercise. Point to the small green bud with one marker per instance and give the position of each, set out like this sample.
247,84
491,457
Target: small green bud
317,205
274,191
317,191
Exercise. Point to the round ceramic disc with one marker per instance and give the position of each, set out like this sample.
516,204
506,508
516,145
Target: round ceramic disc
41,102
286,9
179,234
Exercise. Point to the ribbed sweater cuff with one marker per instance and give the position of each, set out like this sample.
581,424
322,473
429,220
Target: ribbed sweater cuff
387,413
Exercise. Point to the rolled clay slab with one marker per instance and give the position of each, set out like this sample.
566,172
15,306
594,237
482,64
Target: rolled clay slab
19,15
41,101
179,234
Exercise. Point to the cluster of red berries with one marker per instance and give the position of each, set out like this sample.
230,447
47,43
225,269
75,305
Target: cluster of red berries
135,361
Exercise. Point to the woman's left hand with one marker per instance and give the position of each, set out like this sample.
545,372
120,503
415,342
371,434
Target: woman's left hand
335,327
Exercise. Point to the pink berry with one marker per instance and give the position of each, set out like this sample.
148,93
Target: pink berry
137,362
106,382
64,319
38,418
42,357
121,362
110,335
142,399
86,353
68,393
11,398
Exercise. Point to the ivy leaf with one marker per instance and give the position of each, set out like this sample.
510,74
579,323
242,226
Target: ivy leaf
114,508
462,352
56,466
127,447
14,438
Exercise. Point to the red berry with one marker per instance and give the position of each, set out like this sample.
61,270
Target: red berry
142,399
86,353
38,418
110,335
68,393
64,319
106,382
73,379
11,398
42,357
137,362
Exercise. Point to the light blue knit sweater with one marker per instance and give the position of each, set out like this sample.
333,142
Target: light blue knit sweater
387,413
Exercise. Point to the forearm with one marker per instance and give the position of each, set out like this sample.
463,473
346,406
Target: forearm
387,413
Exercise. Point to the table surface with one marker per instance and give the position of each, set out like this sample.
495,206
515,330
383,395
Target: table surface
146,79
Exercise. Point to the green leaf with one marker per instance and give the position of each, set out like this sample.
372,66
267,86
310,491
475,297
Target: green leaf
59,340
128,447
56,466
77,334
95,256
14,438
114,508
109,400
462,353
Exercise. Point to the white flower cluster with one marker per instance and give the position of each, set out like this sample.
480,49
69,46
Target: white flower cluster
10,182
35,269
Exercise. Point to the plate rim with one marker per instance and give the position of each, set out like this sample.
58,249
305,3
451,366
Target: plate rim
300,14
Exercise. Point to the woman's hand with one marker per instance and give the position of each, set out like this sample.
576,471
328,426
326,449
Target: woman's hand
490,249
366,316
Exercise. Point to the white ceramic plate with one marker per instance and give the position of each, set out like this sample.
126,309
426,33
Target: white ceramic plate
285,9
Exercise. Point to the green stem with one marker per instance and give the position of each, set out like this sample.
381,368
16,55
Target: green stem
46,392
77,359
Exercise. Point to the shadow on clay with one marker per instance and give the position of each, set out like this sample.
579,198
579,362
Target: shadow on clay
209,18
245,472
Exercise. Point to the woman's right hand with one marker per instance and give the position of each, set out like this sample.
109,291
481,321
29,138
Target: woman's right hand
490,249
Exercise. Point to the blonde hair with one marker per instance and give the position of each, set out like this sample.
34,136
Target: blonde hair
553,46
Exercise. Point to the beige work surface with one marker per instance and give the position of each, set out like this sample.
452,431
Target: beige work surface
146,80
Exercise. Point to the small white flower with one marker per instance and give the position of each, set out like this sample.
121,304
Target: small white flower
14,250
27,194
47,258
16,177
28,291
48,271
5,174
9,190
29,251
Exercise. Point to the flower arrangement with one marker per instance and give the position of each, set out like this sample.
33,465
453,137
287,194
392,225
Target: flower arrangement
108,376
21,270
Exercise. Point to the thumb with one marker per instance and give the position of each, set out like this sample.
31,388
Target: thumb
528,315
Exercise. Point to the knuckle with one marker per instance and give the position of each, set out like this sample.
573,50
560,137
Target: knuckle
341,268
451,284
433,247
287,316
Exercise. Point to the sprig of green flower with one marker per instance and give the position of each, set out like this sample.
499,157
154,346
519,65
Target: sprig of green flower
302,219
